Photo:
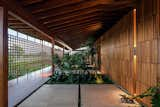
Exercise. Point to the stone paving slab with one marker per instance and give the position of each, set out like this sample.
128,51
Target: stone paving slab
61,95
53,96
102,96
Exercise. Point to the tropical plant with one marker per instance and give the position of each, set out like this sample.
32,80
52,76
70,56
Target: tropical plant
154,93
78,61
56,60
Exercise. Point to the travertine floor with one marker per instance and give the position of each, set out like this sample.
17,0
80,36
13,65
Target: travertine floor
67,96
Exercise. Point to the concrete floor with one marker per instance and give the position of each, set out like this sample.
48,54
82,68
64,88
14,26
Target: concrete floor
20,88
67,96
53,96
102,96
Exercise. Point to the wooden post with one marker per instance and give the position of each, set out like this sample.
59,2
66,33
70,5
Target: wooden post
3,57
134,50
52,56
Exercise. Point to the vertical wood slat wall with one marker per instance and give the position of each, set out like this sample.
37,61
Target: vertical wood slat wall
116,52
117,59
147,45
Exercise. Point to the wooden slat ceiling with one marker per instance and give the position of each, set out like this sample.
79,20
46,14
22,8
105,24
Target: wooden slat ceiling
18,25
73,21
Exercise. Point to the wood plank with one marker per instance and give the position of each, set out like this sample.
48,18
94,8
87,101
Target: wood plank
20,13
117,50
82,6
83,27
69,18
76,20
81,12
51,4
30,2
3,58
77,24
71,15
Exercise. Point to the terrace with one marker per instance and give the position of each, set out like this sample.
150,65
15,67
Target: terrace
79,53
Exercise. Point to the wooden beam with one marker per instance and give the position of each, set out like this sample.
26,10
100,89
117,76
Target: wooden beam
20,13
75,23
33,33
17,23
20,26
14,21
83,12
76,28
51,4
73,13
80,6
3,57
75,20
73,28
30,2
71,16
67,9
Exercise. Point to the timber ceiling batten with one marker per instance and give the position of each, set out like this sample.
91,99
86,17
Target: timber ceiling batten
73,21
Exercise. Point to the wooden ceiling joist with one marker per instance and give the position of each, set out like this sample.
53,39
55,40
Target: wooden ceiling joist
20,13
30,2
67,9
70,17
75,24
71,21
76,20
47,5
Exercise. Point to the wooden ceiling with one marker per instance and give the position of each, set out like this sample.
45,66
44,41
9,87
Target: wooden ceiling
20,26
73,21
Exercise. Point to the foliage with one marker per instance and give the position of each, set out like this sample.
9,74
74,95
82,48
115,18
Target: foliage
56,59
71,62
66,62
153,92
78,61
89,42
83,78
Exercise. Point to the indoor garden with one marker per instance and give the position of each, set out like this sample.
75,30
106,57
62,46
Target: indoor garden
78,67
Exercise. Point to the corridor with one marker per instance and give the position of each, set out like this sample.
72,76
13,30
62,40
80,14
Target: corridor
67,96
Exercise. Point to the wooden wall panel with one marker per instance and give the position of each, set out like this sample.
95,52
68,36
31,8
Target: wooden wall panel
117,59
158,33
116,52
147,45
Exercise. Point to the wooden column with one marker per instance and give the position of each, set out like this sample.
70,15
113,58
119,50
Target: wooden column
53,55
3,58
134,51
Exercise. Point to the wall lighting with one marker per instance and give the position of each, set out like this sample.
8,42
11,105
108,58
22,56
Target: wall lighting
134,51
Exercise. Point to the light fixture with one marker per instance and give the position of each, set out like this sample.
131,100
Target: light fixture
94,27
134,51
